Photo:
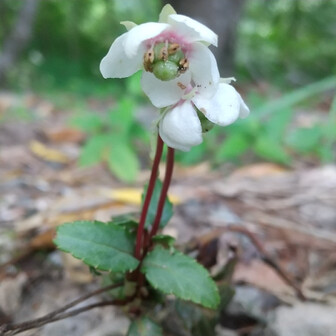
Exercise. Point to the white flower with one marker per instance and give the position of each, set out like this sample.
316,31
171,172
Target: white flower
180,126
173,52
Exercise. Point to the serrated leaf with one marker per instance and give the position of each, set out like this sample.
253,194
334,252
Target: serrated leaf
103,246
144,327
178,274
127,221
164,240
94,272
123,161
167,209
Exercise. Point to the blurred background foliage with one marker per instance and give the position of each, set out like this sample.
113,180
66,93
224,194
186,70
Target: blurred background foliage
284,63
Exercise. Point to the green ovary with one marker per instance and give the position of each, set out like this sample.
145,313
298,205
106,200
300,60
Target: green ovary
165,70
165,60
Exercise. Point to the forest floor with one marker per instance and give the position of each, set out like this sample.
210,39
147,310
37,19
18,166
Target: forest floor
281,224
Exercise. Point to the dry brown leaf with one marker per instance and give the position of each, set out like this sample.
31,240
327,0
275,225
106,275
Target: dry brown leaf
202,169
76,270
262,276
65,135
10,293
47,153
259,170
131,195
43,240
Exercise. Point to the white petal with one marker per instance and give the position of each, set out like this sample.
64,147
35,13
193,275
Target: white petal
116,64
244,110
128,24
223,108
191,29
227,80
204,69
141,33
180,128
165,12
164,93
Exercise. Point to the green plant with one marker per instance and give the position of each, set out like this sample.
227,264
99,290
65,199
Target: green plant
268,132
111,139
156,267
265,51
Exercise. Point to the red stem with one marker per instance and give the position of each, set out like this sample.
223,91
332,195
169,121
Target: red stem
150,189
164,191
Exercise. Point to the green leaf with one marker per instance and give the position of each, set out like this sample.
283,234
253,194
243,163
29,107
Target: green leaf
133,85
93,150
250,127
304,139
196,154
164,240
88,122
233,146
329,128
103,246
123,161
127,221
94,272
296,96
277,123
178,274
269,149
326,153
144,327
167,209
121,118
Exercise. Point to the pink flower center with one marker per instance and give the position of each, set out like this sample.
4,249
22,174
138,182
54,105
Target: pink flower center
171,37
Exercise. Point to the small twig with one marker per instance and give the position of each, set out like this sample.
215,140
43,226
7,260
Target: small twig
56,314
18,328
164,191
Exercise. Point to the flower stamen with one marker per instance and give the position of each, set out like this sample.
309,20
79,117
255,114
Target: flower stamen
181,86
183,65
165,60
149,59
163,55
173,48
